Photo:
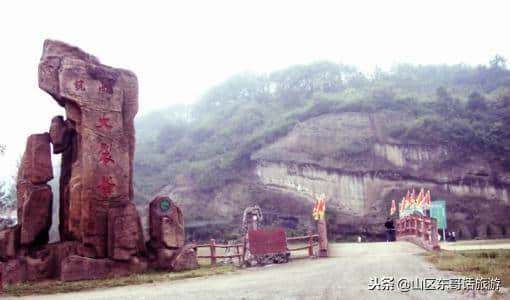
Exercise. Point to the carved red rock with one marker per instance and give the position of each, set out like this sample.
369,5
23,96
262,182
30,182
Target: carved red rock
36,162
123,225
9,242
35,214
166,223
97,163
60,134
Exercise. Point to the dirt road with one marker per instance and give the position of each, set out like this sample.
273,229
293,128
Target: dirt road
345,275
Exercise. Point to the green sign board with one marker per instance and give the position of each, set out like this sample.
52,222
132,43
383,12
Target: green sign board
164,205
438,211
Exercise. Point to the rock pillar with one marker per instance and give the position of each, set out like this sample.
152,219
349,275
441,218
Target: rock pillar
97,142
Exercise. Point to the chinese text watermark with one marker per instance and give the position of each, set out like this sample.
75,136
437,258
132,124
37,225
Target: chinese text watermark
438,284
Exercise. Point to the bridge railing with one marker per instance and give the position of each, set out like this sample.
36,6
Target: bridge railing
420,230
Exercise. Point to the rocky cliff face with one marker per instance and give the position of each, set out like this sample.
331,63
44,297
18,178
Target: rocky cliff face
353,159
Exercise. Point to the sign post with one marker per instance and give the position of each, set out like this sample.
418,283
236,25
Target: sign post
438,211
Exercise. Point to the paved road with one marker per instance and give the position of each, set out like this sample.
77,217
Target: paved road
345,275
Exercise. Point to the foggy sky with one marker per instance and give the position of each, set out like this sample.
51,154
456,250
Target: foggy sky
180,50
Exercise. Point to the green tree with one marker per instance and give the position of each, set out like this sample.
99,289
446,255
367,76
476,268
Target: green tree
476,102
498,61
446,104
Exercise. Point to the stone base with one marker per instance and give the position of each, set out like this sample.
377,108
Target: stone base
184,258
165,258
9,243
14,271
37,265
77,267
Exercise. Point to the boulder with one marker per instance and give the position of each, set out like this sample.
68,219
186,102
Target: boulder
56,253
164,258
166,224
40,268
9,243
14,271
34,197
77,267
36,165
125,236
35,214
60,134
185,259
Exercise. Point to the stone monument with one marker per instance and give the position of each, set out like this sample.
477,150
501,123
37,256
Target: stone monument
99,226
166,229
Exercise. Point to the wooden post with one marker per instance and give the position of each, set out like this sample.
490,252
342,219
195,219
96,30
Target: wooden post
433,234
323,238
310,244
244,252
420,227
213,252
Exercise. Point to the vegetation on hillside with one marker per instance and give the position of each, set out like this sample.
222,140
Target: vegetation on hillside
459,106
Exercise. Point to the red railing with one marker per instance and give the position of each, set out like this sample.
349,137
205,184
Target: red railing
240,254
419,230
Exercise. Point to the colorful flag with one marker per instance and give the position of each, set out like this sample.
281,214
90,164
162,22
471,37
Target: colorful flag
419,199
413,200
319,207
426,200
393,208
314,210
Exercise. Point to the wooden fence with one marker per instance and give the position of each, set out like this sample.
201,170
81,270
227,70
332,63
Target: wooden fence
212,246
309,239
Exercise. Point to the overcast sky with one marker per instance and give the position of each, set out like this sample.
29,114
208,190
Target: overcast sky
180,50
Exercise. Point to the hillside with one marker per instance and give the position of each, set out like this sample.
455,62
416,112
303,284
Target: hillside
278,139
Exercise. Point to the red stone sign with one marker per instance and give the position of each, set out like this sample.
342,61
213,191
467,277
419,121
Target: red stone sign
101,234
106,185
267,241
104,122
105,155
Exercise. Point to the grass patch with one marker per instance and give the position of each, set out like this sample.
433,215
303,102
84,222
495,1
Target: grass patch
475,263
56,286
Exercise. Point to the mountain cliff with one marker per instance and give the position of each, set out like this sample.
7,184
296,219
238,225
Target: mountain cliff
281,139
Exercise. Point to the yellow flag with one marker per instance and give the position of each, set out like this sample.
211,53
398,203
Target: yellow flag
393,207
